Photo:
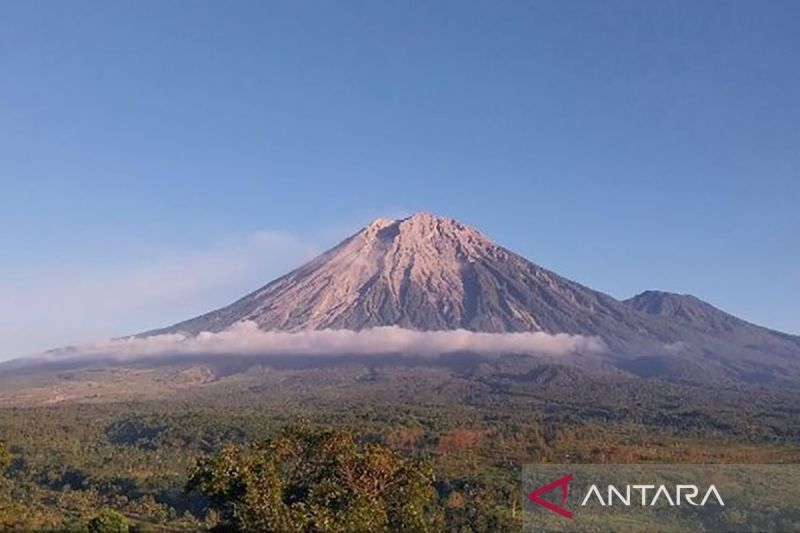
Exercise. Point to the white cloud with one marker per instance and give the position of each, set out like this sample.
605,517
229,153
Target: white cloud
245,338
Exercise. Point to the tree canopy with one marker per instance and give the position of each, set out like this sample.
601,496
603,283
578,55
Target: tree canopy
5,457
109,521
307,480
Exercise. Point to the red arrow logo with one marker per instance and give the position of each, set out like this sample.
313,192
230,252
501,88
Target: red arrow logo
564,484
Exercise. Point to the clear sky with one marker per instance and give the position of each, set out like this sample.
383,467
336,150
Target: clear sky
158,159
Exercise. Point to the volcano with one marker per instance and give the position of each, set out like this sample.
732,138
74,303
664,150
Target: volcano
425,273
432,273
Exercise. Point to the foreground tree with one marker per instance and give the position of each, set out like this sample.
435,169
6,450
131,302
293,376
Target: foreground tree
5,457
109,521
8,508
307,480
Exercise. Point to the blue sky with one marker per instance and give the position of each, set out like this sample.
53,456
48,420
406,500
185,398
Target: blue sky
158,159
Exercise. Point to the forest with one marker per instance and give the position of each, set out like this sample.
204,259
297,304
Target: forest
317,449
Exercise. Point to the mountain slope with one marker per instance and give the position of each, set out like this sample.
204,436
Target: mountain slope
427,273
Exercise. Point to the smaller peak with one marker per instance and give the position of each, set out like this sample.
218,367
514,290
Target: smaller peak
651,294
687,308
662,302
663,295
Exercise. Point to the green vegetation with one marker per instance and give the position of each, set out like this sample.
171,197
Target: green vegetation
109,521
5,457
316,480
464,432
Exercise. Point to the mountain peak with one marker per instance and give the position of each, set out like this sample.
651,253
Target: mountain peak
429,220
423,272
429,238
420,221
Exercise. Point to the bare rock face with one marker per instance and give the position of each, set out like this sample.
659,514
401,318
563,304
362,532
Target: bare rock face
425,273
